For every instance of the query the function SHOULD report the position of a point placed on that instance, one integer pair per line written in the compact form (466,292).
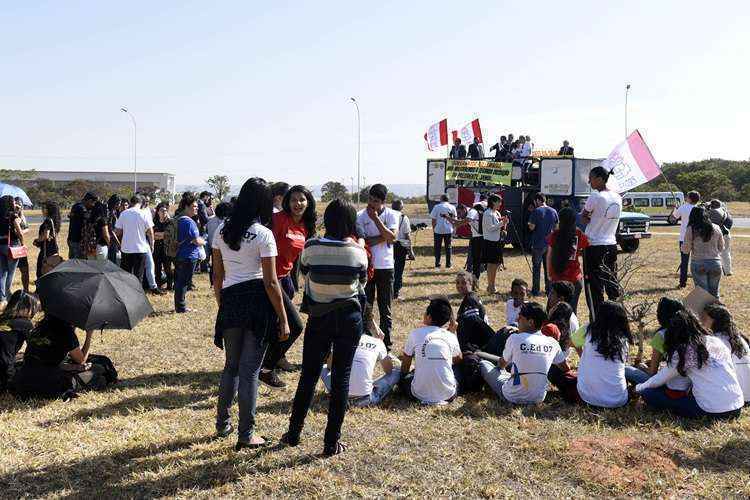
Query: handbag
(16,252)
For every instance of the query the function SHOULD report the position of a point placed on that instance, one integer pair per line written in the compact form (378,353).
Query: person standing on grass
(704,241)
(23,262)
(11,235)
(682,214)
(565,247)
(188,251)
(335,270)
(244,260)
(136,234)
(443,217)
(98,219)
(113,212)
(76,219)
(47,238)
(205,199)
(474,220)
(542,222)
(493,233)
(601,214)
(278,191)
(720,216)
(530,356)
(292,227)
(692,352)
(402,248)
(162,261)
(436,354)
(377,225)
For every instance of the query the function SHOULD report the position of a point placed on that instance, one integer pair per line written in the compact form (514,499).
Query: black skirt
(492,252)
(245,305)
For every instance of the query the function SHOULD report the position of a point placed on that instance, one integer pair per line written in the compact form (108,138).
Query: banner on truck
(487,172)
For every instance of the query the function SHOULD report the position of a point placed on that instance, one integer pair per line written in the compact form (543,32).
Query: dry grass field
(152,434)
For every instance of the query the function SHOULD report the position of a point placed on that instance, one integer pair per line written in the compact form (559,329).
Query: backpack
(171,241)
(88,237)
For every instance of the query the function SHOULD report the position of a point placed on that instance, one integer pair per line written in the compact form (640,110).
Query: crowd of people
(255,246)
(507,149)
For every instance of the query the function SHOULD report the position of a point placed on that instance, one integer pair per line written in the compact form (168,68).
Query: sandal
(242,444)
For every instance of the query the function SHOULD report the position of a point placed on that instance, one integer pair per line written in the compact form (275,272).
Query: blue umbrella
(15,192)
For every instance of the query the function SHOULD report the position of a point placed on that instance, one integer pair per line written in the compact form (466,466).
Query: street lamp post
(359,147)
(135,149)
(627,91)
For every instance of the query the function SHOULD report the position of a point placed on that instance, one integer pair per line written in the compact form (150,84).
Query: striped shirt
(335,274)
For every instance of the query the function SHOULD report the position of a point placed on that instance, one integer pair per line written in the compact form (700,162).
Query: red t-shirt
(290,241)
(573,271)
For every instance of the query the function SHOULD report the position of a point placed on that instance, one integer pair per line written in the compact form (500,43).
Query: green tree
(220,185)
(333,190)
(708,184)
(16,175)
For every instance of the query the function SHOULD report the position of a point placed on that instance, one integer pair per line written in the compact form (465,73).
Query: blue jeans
(707,274)
(380,387)
(341,329)
(684,262)
(244,351)
(635,375)
(7,271)
(685,406)
(183,274)
(494,376)
(539,260)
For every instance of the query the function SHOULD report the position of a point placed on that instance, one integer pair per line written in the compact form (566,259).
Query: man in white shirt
(401,247)
(435,352)
(525,146)
(474,258)
(378,225)
(444,217)
(136,233)
(149,272)
(529,355)
(682,214)
(363,391)
(601,214)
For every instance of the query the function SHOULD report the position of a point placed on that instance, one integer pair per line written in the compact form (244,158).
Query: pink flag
(631,163)
(437,135)
(470,131)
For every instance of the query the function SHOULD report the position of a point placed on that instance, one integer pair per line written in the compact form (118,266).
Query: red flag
(470,131)
(454,133)
(437,135)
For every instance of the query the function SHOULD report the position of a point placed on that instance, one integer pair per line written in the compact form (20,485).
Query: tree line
(333,190)
(727,180)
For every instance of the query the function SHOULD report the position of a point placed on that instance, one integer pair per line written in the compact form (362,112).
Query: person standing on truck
(682,214)
(542,222)
(601,214)
(500,149)
(566,149)
(458,151)
(443,217)
(476,152)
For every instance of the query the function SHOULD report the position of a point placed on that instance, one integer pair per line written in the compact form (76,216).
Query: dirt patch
(624,464)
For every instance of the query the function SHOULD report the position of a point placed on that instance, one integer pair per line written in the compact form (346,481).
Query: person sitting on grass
(692,352)
(718,319)
(679,386)
(55,364)
(529,354)
(563,291)
(471,319)
(363,391)
(435,352)
(603,350)
(15,325)
(518,293)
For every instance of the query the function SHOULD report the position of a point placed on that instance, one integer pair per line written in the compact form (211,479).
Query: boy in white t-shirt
(518,291)
(363,391)
(435,352)
(529,355)
(682,214)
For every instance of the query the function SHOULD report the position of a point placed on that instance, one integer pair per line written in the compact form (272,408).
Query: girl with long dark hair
(718,319)
(98,218)
(493,232)
(162,261)
(694,353)
(11,235)
(47,239)
(15,325)
(113,211)
(705,242)
(292,227)
(603,348)
(566,245)
(251,307)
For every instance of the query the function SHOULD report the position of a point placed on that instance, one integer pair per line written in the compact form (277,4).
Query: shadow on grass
(732,456)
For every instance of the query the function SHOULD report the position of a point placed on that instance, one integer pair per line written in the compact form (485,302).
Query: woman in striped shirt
(335,270)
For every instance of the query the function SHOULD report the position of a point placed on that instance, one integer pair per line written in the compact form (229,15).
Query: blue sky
(251,88)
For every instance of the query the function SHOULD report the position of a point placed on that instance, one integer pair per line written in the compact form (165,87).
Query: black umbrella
(93,294)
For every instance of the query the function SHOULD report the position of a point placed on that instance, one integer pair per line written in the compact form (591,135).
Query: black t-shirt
(99,226)
(471,306)
(472,329)
(49,246)
(8,227)
(160,227)
(50,342)
(13,333)
(77,216)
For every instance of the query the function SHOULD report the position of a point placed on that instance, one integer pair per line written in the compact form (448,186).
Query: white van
(659,205)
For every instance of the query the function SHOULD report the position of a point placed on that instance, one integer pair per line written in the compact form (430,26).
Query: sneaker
(156,291)
(225,431)
(271,379)
(289,440)
(335,449)
(286,366)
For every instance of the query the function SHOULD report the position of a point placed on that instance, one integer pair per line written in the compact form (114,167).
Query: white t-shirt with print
(245,263)
(433,350)
(741,365)
(605,208)
(601,382)
(368,353)
(474,222)
(682,213)
(382,253)
(134,225)
(530,356)
(443,225)
(511,313)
